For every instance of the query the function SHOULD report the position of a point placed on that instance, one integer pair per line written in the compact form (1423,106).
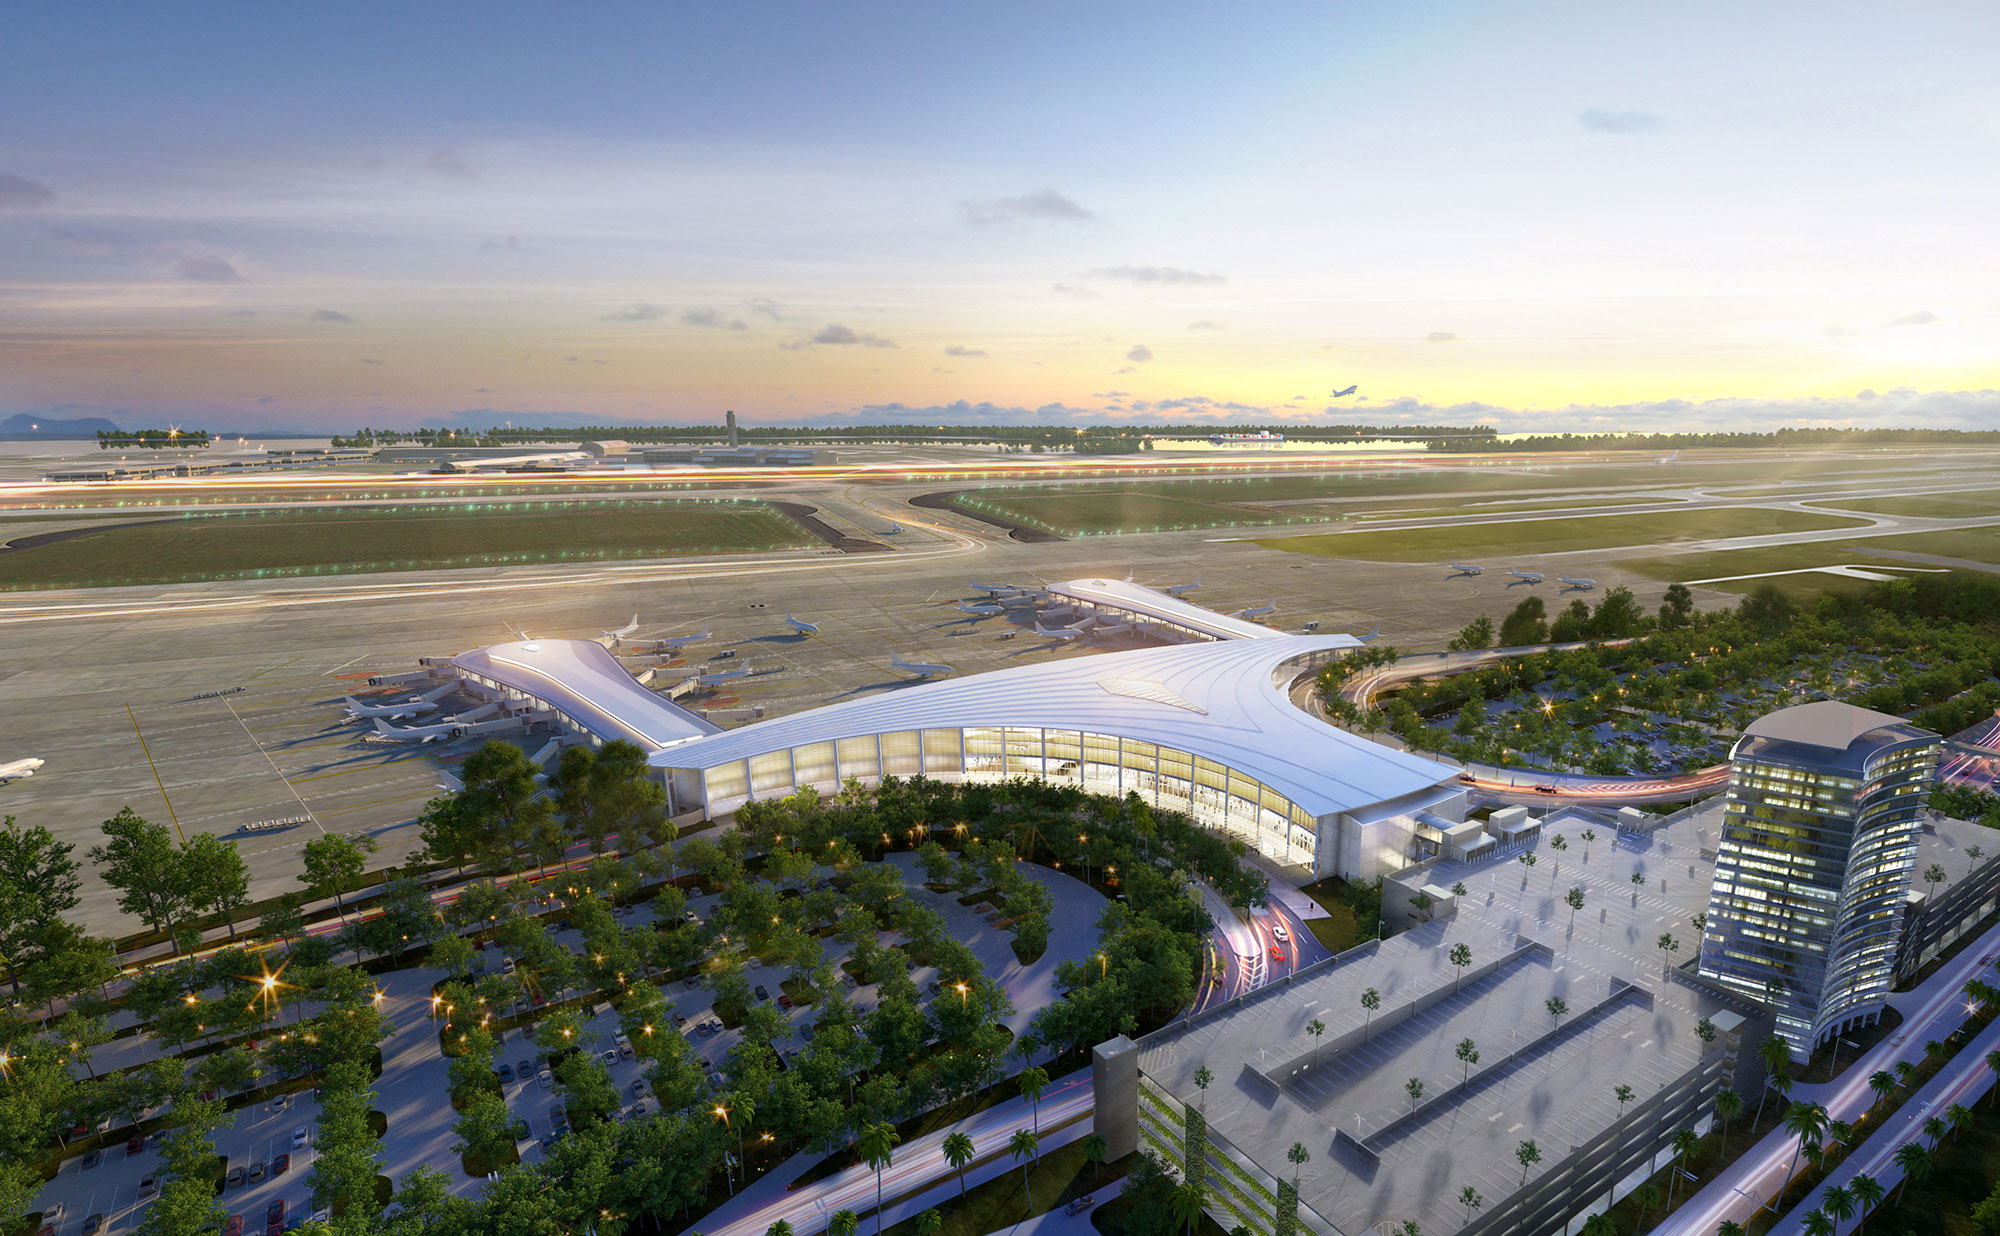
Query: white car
(1279,933)
(300,1136)
(545,1079)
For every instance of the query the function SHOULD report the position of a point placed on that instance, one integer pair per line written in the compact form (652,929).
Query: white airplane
(1667,459)
(1530,577)
(1065,634)
(1119,629)
(675,644)
(1176,590)
(981,611)
(920,668)
(1459,568)
(1258,611)
(415,733)
(1374,635)
(998,590)
(1349,391)
(709,680)
(17,769)
(1579,585)
(800,628)
(894,530)
(621,632)
(415,706)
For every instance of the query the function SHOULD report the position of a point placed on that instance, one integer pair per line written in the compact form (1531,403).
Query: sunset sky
(1563,215)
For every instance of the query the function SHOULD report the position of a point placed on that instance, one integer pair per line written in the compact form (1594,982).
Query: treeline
(1732,440)
(1049,437)
(151,439)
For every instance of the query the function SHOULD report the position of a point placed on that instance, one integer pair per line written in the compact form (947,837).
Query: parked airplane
(1526,577)
(1579,585)
(623,631)
(1459,568)
(999,590)
(1176,590)
(1258,611)
(709,680)
(675,644)
(415,706)
(1119,629)
(1374,635)
(920,668)
(17,769)
(416,733)
(1349,391)
(1064,634)
(801,628)
(981,611)
(894,530)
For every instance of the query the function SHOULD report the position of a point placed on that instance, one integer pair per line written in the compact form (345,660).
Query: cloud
(511,244)
(579,360)
(1070,289)
(93,241)
(712,318)
(1047,204)
(1442,336)
(959,349)
(641,312)
(484,390)
(20,193)
(769,308)
(446,163)
(268,399)
(1155,274)
(838,336)
(207,270)
(1139,352)
(1922,317)
(1606,120)
(1124,369)
(369,360)
(1206,324)
(332,315)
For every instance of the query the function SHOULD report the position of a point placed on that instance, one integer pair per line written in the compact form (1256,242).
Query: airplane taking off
(1349,391)
(1578,585)
(1177,590)
(18,769)
(981,611)
(920,668)
(1258,611)
(1526,577)
(1459,568)
(675,644)
(800,628)
(623,631)
(1065,634)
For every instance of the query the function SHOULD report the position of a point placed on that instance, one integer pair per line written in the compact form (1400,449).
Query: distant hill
(24,425)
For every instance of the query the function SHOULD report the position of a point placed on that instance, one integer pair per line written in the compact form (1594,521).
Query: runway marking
(260,673)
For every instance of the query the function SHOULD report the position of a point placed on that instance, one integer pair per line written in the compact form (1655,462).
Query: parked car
(545,1079)
(91,1159)
(135,1146)
(93,1225)
(300,1137)
(624,1047)
(233,1226)
(281,1165)
(281,1103)
(506,1071)
(235,1178)
(762,994)
(705,1029)
(276,1210)
(784,1001)
(53,1212)
(639,1089)
(524,1070)
(680,1019)
(148,1185)
(257,1171)
(46,1229)
(610,1055)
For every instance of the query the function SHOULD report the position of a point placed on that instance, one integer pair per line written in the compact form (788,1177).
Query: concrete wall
(1935,923)
(1114,1086)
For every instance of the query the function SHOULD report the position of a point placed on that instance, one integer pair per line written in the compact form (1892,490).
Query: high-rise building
(1814,864)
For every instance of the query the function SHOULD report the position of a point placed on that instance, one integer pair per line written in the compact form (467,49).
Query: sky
(1537,216)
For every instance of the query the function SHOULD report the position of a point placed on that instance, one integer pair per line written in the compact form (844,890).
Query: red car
(275,1212)
(136,1145)
(1277,954)
(281,1165)
(234,1226)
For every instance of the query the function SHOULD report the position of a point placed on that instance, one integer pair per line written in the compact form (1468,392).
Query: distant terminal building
(1814,864)
(1116,602)
(1263,438)
(736,457)
(615,448)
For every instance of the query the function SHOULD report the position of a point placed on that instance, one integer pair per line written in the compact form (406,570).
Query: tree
(1728,1106)
(1315,1028)
(1095,1147)
(504,804)
(1371,1000)
(1574,899)
(485,1130)
(1468,1055)
(1556,1006)
(874,1142)
(1298,1156)
(38,885)
(958,1152)
(1415,1089)
(929,1223)
(332,866)
(1186,1203)
(1526,624)
(1603,1225)
(450,834)
(1839,1202)
(1461,957)
(1775,1054)
(1883,1084)
(1916,1164)
(1471,1199)
(1624,1095)
(1588,835)
(1806,1121)
(1685,1142)
(1572,624)
(1529,1154)
(1202,1080)
(1477,634)
(1815,1223)
(1868,1194)
(216,879)
(1033,1081)
(1992,1063)
(1025,1147)
(1422,902)
(140,861)
(1668,946)
(1933,876)
(1677,608)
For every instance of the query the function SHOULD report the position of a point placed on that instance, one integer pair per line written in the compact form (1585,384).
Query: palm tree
(1094,1150)
(874,1142)
(1916,1164)
(1728,1106)
(1185,1203)
(1815,1223)
(930,1223)
(1372,1000)
(1838,1202)
(1685,1143)
(1299,1157)
(1730,1227)
(1808,1121)
(1202,1079)
(1033,1081)
(780,1228)
(1775,1055)
(1883,1083)
(1958,1115)
(1935,1128)
(1025,1147)
(1600,1225)
(1868,1194)
(958,1152)
(1840,1133)
(843,1222)
(1315,1027)
(1993,1063)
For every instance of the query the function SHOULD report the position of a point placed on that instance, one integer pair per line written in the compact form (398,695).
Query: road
(1930,1011)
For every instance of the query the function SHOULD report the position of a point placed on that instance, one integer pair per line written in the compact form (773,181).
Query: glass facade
(1812,871)
(1210,793)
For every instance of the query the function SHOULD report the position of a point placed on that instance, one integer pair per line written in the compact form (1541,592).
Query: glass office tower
(1814,864)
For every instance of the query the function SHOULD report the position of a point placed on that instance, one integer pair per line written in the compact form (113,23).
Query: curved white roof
(582,680)
(1138,598)
(1216,700)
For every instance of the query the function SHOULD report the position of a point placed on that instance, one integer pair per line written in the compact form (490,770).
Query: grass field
(1971,504)
(1548,536)
(334,541)
(1110,511)
(1973,545)
(1496,508)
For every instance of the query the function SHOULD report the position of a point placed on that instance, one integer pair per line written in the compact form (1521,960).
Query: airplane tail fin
(1373,635)
(382,727)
